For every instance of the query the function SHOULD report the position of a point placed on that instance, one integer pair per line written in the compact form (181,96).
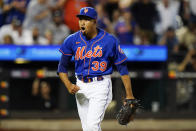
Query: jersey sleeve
(66,47)
(63,64)
(119,55)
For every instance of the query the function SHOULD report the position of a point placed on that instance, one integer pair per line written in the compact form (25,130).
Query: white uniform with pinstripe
(92,100)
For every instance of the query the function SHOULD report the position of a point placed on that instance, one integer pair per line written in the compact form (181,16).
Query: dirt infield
(107,125)
(102,130)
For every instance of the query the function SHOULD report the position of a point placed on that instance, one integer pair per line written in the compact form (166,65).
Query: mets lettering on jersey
(93,57)
(80,51)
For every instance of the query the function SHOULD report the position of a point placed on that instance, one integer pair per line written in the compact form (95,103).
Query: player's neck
(93,34)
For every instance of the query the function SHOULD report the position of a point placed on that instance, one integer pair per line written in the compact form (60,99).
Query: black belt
(88,79)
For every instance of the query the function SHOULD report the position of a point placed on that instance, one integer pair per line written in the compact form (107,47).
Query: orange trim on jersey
(63,52)
(86,46)
(120,61)
(92,47)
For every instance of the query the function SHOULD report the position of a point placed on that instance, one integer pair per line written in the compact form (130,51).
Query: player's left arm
(128,88)
(121,64)
(122,69)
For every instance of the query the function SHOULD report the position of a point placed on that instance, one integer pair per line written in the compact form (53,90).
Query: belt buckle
(99,78)
(89,80)
(86,79)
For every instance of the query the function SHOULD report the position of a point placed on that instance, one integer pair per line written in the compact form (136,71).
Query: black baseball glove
(127,111)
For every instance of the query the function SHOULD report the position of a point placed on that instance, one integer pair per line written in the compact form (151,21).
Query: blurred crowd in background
(133,22)
(169,23)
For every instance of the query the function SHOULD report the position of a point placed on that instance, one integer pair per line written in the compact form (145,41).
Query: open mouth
(83,28)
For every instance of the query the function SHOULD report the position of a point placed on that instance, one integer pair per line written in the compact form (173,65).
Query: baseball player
(95,52)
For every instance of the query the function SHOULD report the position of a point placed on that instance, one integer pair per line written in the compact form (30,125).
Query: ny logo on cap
(85,10)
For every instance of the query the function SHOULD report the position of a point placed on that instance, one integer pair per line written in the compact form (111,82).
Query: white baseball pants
(92,100)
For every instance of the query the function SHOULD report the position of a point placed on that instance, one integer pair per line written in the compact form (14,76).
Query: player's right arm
(72,88)
(62,71)
(66,50)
